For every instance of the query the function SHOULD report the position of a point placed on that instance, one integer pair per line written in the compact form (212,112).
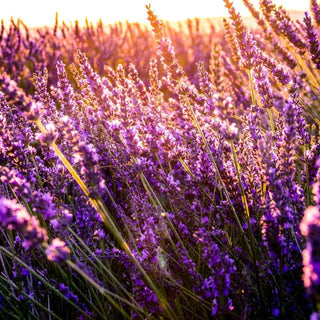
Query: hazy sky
(42,12)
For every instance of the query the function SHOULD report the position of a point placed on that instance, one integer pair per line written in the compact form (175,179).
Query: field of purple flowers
(171,173)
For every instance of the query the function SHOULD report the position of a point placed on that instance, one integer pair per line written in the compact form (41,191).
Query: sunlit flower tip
(311,217)
(33,113)
(115,125)
(67,215)
(58,251)
(34,235)
(65,120)
(313,45)
(232,131)
(156,23)
(49,136)
(13,215)
(315,316)
(316,191)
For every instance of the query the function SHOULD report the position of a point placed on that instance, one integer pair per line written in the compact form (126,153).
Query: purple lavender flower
(34,235)
(232,41)
(246,44)
(15,217)
(169,60)
(260,75)
(315,9)
(157,24)
(43,204)
(310,228)
(62,221)
(312,35)
(49,136)
(279,71)
(19,184)
(34,113)
(58,251)
(282,24)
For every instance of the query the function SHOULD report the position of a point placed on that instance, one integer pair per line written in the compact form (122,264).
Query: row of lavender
(164,176)
(25,50)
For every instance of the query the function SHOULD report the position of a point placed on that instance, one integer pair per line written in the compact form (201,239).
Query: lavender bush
(162,173)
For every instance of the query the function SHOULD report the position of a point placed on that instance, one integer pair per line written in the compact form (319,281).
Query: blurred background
(36,13)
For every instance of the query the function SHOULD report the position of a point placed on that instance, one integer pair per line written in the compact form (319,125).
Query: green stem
(310,111)
(308,192)
(104,269)
(225,191)
(108,221)
(253,96)
(251,235)
(12,284)
(43,280)
(271,121)
(103,291)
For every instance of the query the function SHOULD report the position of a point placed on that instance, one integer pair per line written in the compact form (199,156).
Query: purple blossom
(34,113)
(34,235)
(19,184)
(281,23)
(246,44)
(206,197)
(263,85)
(43,204)
(49,136)
(315,9)
(58,251)
(15,217)
(278,70)
(310,228)
(312,35)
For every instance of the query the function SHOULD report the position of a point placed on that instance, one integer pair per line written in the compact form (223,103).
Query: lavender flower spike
(246,45)
(260,75)
(310,227)
(49,136)
(15,217)
(315,9)
(58,251)
(313,45)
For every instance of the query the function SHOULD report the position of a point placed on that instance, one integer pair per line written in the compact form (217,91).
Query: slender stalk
(271,121)
(100,264)
(43,280)
(310,111)
(308,192)
(253,96)
(250,232)
(108,220)
(13,285)
(243,195)
(225,191)
(108,294)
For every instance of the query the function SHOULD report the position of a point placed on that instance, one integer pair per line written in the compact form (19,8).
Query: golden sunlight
(40,13)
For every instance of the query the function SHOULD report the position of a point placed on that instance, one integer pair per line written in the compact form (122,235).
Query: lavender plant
(169,173)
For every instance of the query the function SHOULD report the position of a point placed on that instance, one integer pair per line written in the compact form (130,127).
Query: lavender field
(161,172)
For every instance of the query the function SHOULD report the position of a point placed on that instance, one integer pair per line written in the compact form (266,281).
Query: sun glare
(40,13)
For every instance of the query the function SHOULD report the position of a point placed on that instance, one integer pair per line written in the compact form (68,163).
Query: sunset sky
(42,12)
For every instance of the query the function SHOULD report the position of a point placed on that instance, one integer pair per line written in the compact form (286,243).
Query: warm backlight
(40,12)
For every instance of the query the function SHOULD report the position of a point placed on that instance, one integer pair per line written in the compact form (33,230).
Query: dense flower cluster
(163,172)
